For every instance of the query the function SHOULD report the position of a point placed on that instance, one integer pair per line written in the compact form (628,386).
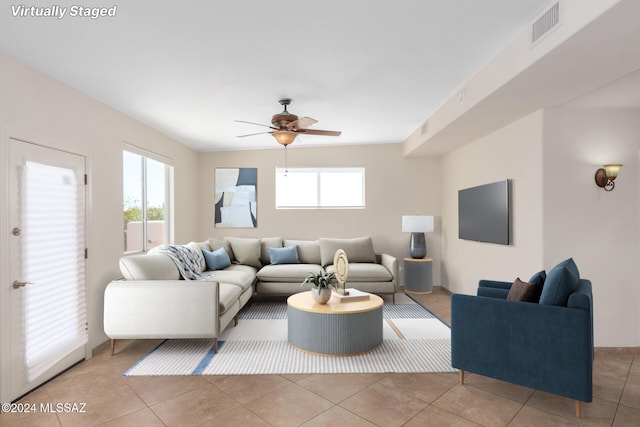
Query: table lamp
(417,225)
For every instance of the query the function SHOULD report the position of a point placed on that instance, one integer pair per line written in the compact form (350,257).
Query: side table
(418,277)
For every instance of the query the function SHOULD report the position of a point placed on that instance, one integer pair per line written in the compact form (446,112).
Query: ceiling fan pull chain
(286,170)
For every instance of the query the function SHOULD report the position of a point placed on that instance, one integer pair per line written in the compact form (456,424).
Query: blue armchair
(543,346)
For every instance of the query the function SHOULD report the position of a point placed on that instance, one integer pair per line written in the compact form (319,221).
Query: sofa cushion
(359,249)
(539,278)
(219,243)
(365,272)
(295,273)
(246,250)
(235,276)
(562,281)
(229,295)
(524,291)
(216,260)
(308,250)
(265,244)
(288,255)
(153,266)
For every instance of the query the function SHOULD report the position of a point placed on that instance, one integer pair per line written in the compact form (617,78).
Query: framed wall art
(235,197)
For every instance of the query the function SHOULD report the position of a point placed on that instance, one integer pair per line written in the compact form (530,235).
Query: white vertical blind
(52,221)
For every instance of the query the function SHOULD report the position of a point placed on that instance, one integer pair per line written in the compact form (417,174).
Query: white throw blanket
(187,259)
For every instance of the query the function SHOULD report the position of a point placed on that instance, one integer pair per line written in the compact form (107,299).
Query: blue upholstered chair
(545,345)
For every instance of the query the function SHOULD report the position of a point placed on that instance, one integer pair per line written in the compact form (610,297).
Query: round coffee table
(335,328)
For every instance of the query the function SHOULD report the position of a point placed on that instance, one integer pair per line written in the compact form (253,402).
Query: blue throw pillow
(216,260)
(287,255)
(562,281)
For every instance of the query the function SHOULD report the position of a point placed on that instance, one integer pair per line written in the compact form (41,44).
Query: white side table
(418,276)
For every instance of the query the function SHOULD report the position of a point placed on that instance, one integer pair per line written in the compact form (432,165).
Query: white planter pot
(321,296)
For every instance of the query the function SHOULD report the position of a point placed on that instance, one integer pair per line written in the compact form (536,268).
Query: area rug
(414,340)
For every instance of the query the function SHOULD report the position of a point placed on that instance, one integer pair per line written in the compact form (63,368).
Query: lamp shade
(417,224)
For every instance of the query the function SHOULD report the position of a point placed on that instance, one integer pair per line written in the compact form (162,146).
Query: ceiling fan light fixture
(284,137)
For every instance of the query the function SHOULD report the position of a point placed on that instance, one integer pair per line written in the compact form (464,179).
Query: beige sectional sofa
(153,301)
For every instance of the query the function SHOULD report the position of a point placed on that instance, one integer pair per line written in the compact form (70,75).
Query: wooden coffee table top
(304,302)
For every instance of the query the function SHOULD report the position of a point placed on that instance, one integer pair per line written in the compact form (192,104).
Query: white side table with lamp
(418,276)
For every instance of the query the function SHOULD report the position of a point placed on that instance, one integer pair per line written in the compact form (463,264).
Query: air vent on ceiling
(545,22)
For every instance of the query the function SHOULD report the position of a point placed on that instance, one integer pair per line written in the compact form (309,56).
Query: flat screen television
(483,213)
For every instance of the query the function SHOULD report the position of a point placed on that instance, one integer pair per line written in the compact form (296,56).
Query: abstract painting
(235,198)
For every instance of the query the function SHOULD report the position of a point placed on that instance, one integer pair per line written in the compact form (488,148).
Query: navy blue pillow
(562,281)
(216,260)
(286,255)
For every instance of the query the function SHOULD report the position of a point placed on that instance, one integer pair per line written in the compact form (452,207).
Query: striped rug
(414,341)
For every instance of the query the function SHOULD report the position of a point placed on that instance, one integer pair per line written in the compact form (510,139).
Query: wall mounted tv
(483,213)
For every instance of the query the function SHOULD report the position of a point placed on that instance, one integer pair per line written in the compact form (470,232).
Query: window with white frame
(317,188)
(147,203)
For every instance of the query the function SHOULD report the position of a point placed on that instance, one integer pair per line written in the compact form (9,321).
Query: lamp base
(417,246)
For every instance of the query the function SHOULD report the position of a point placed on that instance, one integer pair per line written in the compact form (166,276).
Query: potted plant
(321,285)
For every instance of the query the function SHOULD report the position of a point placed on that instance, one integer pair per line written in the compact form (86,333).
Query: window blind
(54,305)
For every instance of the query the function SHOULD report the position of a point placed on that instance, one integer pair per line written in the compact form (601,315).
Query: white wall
(599,229)
(513,152)
(395,186)
(39,109)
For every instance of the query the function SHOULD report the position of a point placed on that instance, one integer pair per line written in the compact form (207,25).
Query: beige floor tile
(195,407)
(28,412)
(240,416)
(608,388)
(289,405)
(600,412)
(384,405)
(337,416)
(631,394)
(477,405)
(502,388)
(532,417)
(614,366)
(627,417)
(155,389)
(436,417)
(426,387)
(245,388)
(145,417)
(335,388)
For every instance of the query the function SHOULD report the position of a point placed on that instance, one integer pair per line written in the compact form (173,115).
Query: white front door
(47,313)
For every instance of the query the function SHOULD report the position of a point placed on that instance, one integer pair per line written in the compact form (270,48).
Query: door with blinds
(48,326)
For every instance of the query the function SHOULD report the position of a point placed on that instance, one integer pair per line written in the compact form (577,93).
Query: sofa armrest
(161,309)
(544,347)
(390,263)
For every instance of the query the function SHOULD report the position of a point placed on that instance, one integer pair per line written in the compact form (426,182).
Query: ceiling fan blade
(319,132)
(251,134)
(301,123)
(257,124)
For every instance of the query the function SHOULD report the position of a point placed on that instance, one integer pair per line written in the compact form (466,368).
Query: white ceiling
(373,69)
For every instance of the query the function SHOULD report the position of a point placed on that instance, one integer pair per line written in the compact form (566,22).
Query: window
(314,188)
(146,203)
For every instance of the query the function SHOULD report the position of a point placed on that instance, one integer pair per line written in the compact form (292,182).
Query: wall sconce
(417,225)
(605,176)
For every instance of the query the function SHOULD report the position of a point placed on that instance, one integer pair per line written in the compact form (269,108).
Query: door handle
(17,284)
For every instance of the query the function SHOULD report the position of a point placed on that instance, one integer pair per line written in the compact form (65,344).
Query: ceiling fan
(286,126)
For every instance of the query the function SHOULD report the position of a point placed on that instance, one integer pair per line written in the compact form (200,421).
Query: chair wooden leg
(215,345)
(462,377)
(113,346)
(578,409)
(235,320)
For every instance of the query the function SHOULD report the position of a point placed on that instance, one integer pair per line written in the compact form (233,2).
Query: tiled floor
(325,400)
